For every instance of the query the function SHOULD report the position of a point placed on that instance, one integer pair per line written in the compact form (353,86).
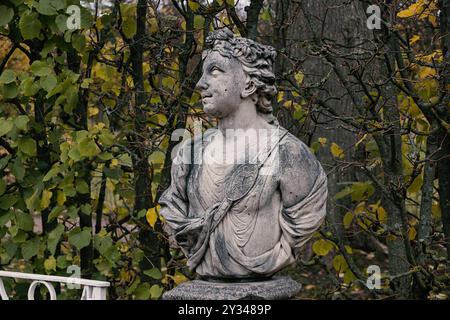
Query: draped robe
(262,232)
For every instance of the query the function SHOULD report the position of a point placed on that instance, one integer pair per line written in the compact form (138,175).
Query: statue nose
(201,85)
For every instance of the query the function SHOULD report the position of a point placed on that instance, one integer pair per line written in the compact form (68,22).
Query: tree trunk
(141,168)
(443,136)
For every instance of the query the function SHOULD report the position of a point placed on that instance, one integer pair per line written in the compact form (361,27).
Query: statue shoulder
(295,154)
(188,148)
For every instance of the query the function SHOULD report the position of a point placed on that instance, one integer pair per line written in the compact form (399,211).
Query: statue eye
(214,69)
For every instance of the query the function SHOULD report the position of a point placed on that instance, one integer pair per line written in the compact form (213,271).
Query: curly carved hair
(256,59)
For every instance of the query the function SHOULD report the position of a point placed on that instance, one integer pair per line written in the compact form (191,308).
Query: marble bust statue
(242,203)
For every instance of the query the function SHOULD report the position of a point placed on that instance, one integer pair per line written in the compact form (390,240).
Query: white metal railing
(92,289)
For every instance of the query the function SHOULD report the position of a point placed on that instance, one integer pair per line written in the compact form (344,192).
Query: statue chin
(211,110)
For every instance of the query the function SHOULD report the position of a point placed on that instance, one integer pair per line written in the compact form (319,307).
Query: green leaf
(46,7)
(51,173)
(141,213)
(20,237)
(113,173)
(50,264)
(80,238)
(362,190)
(48,83)
(21,122)
(10,90)
(74,153)
(6,15)
(5,217)
(416,184)
(129,27)
(30,248)
(106,138)
(78,41)
(154,273)
(86,208)
(2,186)
(8,76)
(29,87)
(11,248)
(348,218)
(41,68)
(82,186)
(27,146)
(29,25)
(32,201)
(5,126)
(194,5)
(321,247)
(142,292)
(53,238)
(88,148)
(340,264)
(156,291)
(24,221)
(343,193)
(18,170)
(54,213)
(7,201)
(61,22)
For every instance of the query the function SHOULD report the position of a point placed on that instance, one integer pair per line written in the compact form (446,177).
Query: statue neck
(246,117)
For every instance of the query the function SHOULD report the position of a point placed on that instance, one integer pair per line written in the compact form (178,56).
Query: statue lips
(206,96)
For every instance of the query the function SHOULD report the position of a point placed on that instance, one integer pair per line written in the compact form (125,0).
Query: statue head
(250,68)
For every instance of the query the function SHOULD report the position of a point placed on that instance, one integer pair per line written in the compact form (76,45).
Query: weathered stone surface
(244,218)
(278,288)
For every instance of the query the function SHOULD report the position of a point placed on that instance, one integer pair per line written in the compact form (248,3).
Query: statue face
(221,84)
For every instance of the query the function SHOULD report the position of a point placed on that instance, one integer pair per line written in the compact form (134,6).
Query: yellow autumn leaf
(412,233)
(92,111)
(339,263)
(348,218)
(410,11)
(299,76)
(336,151)
(426,72)
(60,198)
(194,5)
(322,141)
(114,162)
(349,249)
(179,278)
(152,216)
(50,264)
(45,200)
(416,184)
(280,96)
(110,185)
(349,276)
(433,20)
(382,215)
(414,39)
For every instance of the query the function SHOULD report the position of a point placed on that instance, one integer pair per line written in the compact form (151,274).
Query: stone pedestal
(278,288)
